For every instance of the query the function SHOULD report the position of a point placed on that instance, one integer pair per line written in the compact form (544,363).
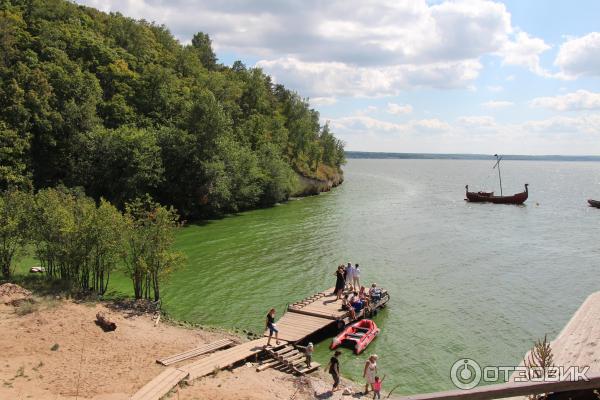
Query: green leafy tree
(14,150)
(203,45)
(14,212)
(150,255)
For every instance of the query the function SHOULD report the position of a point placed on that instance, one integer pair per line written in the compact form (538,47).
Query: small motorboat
(594,203)
(358,335)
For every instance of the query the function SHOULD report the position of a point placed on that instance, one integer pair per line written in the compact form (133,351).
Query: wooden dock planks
(207,348)
(160,385)
(294,326)
(323,305)
(225,358)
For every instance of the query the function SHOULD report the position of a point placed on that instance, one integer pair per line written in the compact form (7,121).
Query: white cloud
(339,79)
(494,88)
(323,101)
(580,56)
(524,51)
(579,100)
(497,104)
(477,121)
(399,109)
(584,124)
(362,48)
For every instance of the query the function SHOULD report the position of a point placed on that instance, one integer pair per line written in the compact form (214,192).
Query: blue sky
(465,76)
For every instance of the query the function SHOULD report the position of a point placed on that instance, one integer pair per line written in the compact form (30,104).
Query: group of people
(347,276)
(354,300)
(369,373)
(356,297)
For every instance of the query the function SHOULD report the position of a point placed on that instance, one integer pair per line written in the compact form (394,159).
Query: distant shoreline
(434,156)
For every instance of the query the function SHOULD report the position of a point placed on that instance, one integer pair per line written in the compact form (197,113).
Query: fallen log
(103,322)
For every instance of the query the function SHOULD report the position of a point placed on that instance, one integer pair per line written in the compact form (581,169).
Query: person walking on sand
(272,327)
(377,387)
(370,372)
(334,370)
(339,282)
(356,278)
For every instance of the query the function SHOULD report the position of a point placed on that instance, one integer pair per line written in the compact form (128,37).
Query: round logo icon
(465,373)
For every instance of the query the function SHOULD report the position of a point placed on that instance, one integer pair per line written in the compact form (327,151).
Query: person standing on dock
(271,327)
(334,370)
(340,282)
(356,277)
(350,275)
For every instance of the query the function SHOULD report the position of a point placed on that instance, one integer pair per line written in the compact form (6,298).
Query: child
(309,352)
(377,387)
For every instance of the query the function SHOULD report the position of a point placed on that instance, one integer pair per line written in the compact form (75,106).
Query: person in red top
(377,387)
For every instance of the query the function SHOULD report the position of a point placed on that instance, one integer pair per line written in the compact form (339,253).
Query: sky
(466,76)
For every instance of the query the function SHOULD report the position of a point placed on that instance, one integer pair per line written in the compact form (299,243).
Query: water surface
(466,280)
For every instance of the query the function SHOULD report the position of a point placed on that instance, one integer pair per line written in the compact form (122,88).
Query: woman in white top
(370,372)
(356,277)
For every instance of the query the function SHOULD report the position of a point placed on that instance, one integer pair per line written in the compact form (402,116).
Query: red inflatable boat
(358,335)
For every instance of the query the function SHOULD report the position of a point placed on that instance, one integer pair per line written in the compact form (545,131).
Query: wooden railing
(510,389)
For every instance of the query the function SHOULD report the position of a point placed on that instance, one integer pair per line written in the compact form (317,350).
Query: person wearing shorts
(272,327)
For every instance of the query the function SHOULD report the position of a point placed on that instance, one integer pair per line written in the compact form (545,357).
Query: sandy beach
(57,352)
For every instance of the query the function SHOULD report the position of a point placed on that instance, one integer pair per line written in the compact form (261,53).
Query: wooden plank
(225,358)
(511,389)
(294,326)
(160,385)
(306,370)
(267,365)
(200,350)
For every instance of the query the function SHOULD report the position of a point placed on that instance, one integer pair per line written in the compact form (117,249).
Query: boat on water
(594,203)
(358,335)
(482,197)
(489,197)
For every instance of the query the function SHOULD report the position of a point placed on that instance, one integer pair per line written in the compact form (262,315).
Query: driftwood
(103,322)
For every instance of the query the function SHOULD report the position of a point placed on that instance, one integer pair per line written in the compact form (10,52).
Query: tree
(14,150)
(14,211)
(108,244)
(203,45)
(150,235)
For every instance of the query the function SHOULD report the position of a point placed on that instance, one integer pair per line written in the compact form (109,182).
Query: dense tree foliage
(120,108)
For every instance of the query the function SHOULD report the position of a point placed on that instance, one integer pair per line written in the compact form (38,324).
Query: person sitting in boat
(362,295)
(357,303)
(375,293)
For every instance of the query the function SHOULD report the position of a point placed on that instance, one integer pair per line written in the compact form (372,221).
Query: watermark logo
(467,373)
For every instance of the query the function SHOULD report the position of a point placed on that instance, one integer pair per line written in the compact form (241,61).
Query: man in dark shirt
(334,370)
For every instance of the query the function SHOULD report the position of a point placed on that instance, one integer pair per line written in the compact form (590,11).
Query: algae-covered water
(466,280)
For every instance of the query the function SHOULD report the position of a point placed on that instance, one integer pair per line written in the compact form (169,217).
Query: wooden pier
(300,321)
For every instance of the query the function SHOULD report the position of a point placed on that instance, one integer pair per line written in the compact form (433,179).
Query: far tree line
(81,242)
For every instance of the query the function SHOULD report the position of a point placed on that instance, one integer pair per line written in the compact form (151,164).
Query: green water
(466,280)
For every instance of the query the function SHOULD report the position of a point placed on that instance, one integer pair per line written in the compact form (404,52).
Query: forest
(121,109)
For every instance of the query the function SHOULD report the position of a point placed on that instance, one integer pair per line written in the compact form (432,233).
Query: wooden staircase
(288,359)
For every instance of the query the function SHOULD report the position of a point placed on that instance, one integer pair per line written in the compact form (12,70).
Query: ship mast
(498,159)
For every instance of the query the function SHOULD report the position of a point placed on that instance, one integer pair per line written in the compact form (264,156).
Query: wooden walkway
(198,351)
(160,385)
(322,305)
(225,358)
(301,320)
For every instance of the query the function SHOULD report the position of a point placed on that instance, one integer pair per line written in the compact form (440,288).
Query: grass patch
(26,307)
